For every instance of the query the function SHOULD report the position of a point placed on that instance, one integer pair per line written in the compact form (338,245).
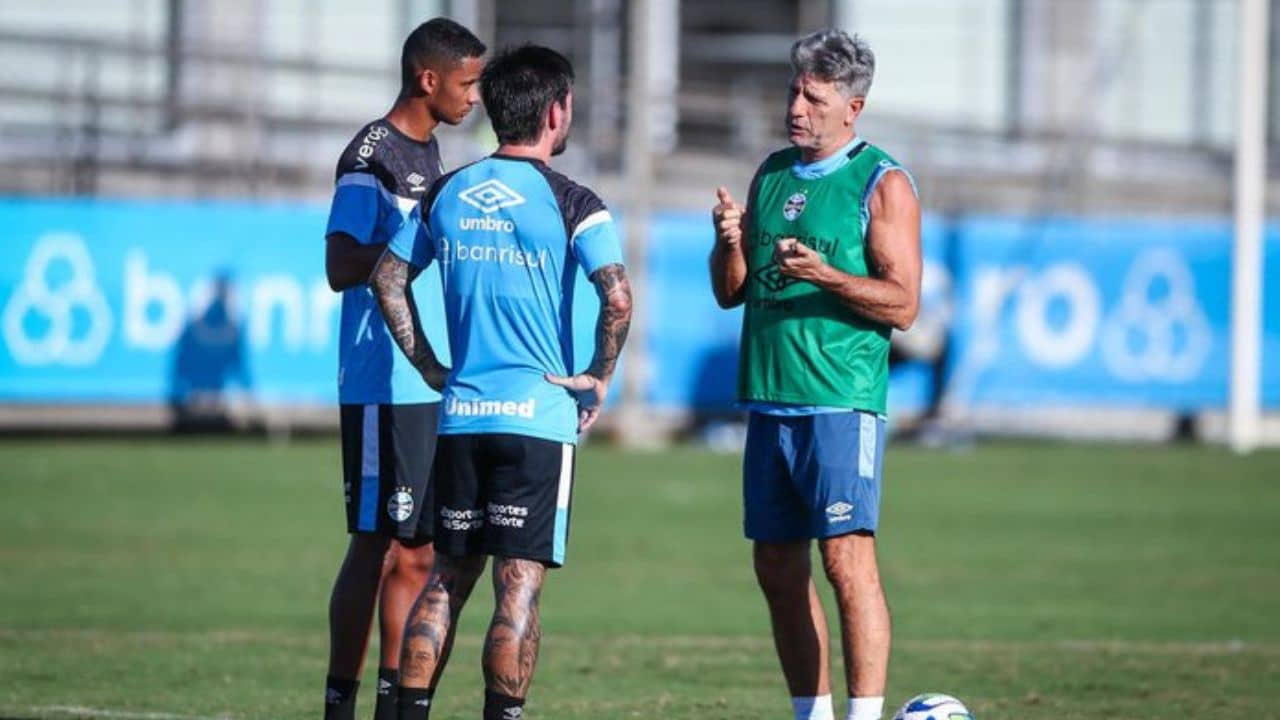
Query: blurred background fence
(166,165)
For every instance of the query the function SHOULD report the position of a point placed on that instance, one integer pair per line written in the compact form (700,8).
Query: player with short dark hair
(509,235)
(388,415)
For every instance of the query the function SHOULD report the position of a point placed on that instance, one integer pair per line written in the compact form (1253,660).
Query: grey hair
(833,56)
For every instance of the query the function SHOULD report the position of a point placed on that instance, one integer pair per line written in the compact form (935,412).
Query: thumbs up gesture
(727,218)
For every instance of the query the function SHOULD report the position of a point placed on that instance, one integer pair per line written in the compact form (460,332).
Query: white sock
(865,708)
(813,708)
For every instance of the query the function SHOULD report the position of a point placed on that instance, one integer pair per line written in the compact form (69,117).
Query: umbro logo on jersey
(490,196)
(514,713)
(839,512)
(415,182)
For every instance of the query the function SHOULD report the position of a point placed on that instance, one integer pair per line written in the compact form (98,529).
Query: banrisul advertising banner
(154,302)
(1121,313)
(157,302)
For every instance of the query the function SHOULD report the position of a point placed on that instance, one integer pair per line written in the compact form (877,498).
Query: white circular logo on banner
(59,343)
(1174,335)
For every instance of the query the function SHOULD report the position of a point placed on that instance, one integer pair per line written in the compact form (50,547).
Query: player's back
(510,235)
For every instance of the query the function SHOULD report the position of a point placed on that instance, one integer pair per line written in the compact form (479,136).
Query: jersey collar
(826,166)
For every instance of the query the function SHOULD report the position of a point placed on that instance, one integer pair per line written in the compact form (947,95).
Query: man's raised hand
(727,217)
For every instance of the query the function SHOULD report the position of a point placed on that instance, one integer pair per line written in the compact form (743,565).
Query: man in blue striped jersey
(388,414)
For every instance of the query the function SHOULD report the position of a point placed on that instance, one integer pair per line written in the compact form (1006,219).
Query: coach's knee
(850,561)
(782,568)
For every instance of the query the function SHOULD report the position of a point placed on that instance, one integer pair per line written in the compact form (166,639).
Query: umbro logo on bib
(771,277)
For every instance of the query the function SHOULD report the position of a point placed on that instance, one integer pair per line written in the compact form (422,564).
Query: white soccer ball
(933,706)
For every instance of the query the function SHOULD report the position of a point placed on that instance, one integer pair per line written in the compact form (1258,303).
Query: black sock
(415,703)
(502,707)
(386,707)
(340,698)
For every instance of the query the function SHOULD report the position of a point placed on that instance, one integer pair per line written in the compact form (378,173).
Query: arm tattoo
(614,322)
(391,286)
(511,647)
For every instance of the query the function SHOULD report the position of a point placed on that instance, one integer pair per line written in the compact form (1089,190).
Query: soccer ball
(933,706)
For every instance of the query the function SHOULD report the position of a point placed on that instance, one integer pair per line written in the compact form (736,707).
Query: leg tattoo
(428,635)
(511,647)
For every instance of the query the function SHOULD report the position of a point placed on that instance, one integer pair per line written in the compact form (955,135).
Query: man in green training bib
(826,259)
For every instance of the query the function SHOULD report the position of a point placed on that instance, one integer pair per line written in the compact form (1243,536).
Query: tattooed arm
(390,284)
(612,325)
(614,322)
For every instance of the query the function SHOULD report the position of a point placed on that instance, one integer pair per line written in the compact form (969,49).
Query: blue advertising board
(1127,313)
(152,302)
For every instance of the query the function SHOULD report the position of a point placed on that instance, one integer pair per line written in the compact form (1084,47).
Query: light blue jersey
(510,235)
(380,178)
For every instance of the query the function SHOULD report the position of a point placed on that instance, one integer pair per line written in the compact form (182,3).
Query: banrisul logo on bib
(794,205)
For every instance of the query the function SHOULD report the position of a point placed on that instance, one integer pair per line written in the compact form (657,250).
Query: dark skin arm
(347,263)
(891,294)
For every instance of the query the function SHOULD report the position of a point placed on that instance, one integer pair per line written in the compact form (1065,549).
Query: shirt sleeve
(356,206)
(412,242)
(595,242)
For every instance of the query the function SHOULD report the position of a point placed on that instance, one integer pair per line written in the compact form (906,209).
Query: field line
(118,714)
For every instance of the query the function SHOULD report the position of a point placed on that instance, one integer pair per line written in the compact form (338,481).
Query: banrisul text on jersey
(510,236)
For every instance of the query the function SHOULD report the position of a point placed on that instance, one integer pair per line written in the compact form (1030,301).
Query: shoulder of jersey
(366,151)
(438,185)
(575,199)
(779,160)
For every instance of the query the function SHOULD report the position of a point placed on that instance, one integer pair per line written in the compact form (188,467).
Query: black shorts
(504,495)
(387,454)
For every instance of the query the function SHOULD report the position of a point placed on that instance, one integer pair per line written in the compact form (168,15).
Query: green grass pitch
(169,578)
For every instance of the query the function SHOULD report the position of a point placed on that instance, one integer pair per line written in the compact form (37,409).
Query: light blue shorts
(812,476)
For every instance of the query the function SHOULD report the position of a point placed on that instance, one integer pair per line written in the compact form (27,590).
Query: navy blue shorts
(812,476)
(387,457)
(504,495)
